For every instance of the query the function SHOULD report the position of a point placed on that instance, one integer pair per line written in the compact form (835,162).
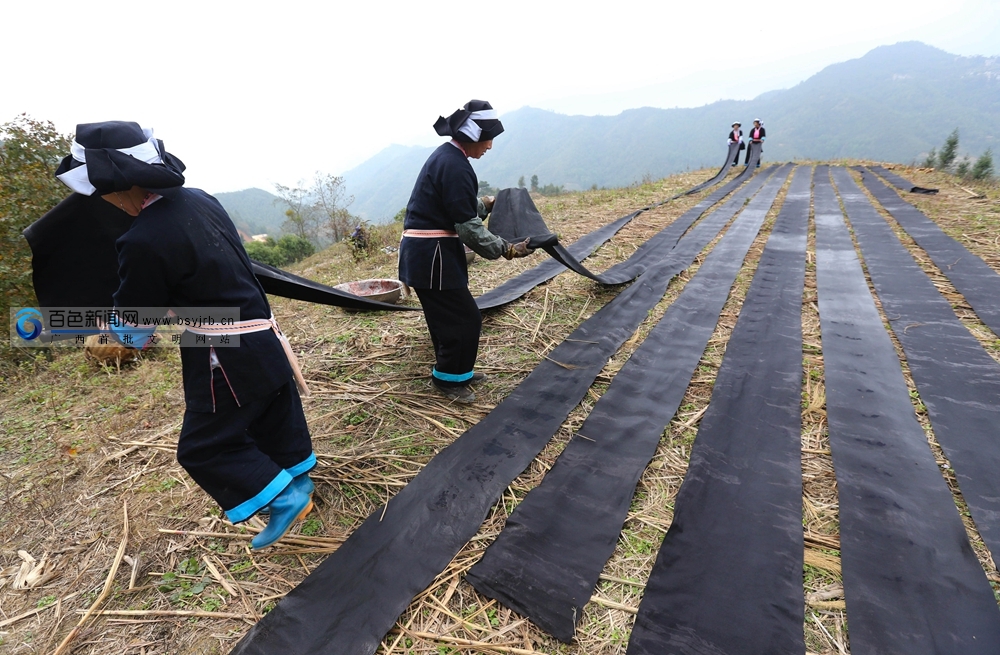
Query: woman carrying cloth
(244,438)
(444,213)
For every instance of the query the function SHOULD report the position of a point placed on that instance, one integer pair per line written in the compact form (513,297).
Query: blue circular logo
(28,323)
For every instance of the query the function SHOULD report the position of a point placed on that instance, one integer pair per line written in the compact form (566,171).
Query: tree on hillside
(302,219)
(983,168)
(962,169)
(331,201)
(949,151)
(30,151)
(534,183)
(485,189)
(520,182)
(931,160)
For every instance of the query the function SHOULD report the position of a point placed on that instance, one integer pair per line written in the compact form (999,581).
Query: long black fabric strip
(582,248)
(730,155)
(728,577)
(348,603)
(901,183)
(547,559)
(287,285)
(648,252)
(912,583)
(957,379)
(622,272)
(973,277)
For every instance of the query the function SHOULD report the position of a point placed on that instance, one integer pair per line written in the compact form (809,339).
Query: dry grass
(78,442)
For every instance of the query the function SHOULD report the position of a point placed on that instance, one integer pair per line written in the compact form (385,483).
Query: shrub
(983,168)
(950,151)
(286,250)
(265,252)
(294,248)
(30,151)
(931,160)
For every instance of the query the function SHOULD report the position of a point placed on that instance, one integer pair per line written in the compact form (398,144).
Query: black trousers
(736,159)
(245,455)
(454,322)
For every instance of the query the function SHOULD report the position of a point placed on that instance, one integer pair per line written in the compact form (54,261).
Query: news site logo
(28,323)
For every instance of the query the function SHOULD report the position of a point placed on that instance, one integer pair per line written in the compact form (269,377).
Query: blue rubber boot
(302,481)
(287,507)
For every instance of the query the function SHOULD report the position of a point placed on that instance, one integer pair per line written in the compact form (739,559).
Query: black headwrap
(115,156)
(475,122)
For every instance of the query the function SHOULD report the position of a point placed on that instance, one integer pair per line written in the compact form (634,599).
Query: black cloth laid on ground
(733,153)
(546,561)
(728,577)
(957,379)
(899,182)
(912,582)
(349,602)
(516,287)
(515,218)
(974,279)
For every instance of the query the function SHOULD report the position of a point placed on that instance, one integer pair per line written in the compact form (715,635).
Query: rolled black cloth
(957,379)
(348,603)
(546,561)
(901,183)
(74,261)
(912,582)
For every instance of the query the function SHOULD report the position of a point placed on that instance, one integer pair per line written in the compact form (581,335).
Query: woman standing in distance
(444,213)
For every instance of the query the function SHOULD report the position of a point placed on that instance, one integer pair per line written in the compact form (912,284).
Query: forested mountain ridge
(893,104)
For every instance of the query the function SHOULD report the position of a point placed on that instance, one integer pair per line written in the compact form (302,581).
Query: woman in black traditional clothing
(757,134)
(736,136)
(244,438)
(444,213)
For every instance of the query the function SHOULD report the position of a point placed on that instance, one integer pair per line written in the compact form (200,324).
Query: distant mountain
(893,104)
(254,211)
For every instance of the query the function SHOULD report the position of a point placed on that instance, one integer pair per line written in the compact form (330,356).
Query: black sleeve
(458,194)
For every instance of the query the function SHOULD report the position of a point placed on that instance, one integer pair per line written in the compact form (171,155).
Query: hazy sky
(253,93)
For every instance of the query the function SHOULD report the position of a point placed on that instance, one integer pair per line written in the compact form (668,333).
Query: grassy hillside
(80,443)
(894,104)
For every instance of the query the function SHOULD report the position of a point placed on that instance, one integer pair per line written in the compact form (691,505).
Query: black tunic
(181,251)
(443,195)
(184,251)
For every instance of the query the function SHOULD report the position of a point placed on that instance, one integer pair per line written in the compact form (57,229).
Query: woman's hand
(519,249)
